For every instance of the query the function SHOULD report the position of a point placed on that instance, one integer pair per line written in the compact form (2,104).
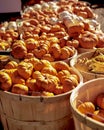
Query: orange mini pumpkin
(48,57)
(16,78)
(50,70)
(65,53)
(67,84)
(19,89)
(31,43)
(41,50)
(11,65)
(61,65)
(86,107)
(25,69)
(5,81)
(19,49)
(37,75)
(31,83)
(63,73)
(55,51)
(48,82)
(88,40)
(45,93)
(75,30)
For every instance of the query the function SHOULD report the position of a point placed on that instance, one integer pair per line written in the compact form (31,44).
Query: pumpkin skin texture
(9,71)
(20,89)
(88,40)
(36,74)
(5,81)
(60,65)
(74,79)
(48,57)
(48,82)
(50,70)
(11,65)
(65,53)
(67,84)
(74,43)
(86,107)
(75,30)
(55,50)
(19,49)
(31,83)
(100,100)
(15,77)
(31,43)
(45,93)
(25,69)
(63,73)
(41,50)
(39,64)
(35,62)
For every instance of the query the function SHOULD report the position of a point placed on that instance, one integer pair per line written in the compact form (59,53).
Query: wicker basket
(35,113)
(86,75)
(86,92)
(36,109)
(65,123)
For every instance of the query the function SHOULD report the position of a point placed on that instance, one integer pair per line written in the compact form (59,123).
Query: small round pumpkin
(55,50)
(11,65)
(19,49)
(5,81)
(19,89)
(86,107)
(25,69)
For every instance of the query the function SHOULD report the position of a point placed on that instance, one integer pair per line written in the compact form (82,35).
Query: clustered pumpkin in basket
(65,23)
(47,32)
(94,110)
(72,19)
(42,48)
(38,77)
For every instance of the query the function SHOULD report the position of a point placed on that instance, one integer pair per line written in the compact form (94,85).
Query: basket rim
(81,117)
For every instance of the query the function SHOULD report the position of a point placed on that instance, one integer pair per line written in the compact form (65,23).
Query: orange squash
(19,89)
(11,65)
(19,49)
(5,81)
(86,107)
(25,69)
